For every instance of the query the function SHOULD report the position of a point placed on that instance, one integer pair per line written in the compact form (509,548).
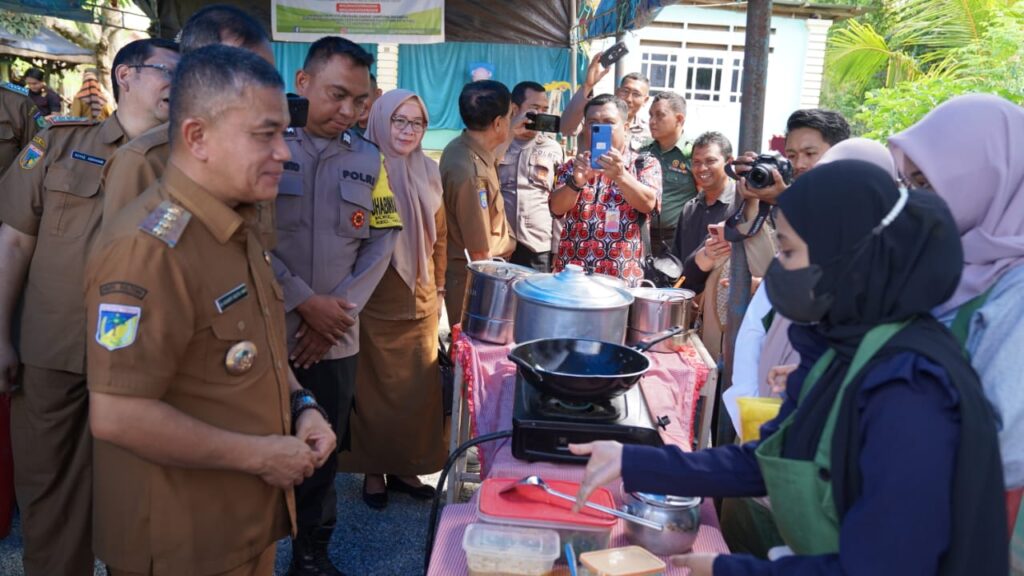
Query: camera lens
(759,177)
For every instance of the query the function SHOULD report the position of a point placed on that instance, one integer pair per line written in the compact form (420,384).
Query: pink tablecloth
(671,388)
(449,559)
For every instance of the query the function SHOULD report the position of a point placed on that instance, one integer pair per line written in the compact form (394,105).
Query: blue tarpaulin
(614,16)
(70,9)
(437,72)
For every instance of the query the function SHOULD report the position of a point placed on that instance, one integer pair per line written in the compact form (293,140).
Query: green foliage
(994,64)
(21,24)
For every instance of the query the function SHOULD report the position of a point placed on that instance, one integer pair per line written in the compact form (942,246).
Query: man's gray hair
(708,138)
(210,79)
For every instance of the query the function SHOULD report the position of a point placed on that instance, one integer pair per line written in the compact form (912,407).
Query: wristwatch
(571,183)
(303,400)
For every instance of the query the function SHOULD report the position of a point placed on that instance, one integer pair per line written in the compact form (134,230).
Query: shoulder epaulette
(71,121)
(290,132)
(14,88)
(167,222)
(364,139)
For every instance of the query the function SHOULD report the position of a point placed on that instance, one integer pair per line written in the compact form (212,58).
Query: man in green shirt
(668,114)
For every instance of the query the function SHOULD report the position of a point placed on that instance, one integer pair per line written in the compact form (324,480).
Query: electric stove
(543,426)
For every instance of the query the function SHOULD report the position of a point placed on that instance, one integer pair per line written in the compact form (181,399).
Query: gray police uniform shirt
(527,176)
(328,243)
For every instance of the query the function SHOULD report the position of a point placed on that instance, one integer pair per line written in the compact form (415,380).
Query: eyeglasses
(167,70)
(417,126)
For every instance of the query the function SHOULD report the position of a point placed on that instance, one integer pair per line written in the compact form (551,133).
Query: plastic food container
(627,561)
(532,507)
(495,550)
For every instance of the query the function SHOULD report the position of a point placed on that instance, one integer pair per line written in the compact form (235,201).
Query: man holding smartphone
(527,176)
(604,206)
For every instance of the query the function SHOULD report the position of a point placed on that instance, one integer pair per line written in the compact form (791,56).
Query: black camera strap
(732,232)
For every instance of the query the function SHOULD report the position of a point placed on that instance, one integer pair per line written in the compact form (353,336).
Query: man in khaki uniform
(19,122)
(188,371)
(140,162)
(527,174)
(473,204)
(50,210)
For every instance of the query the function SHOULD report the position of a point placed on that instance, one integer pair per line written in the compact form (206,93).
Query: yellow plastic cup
(754,412)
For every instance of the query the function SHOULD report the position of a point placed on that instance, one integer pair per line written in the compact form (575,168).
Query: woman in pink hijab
(970,151)
(398,423)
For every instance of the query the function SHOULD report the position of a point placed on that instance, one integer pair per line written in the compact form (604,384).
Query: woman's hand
(604,466)
(778,376)
(699,564)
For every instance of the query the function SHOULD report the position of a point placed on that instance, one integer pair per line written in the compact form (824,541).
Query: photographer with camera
(700,234)
(527,176)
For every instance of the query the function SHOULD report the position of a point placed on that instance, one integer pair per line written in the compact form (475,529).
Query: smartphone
(717,231)
(543,122)
(613,54)
(600,142)
(298,108)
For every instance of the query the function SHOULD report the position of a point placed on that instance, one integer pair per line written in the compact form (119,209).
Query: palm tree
(916,39)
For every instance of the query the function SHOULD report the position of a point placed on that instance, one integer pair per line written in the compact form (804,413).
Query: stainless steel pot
(656,310)
(679,516)
(570,304)
(489,308)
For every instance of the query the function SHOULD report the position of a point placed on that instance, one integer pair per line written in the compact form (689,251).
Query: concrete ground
(366,542)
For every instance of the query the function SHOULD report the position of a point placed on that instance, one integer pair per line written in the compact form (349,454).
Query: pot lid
(571,288)
(500,270)
(664,501)
(663,294)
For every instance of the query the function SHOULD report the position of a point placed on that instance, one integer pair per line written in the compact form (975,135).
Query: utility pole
(755,80)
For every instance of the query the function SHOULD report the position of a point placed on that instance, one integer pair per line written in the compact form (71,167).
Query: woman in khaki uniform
(398,424)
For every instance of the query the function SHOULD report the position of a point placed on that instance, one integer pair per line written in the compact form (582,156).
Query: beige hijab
(416,183)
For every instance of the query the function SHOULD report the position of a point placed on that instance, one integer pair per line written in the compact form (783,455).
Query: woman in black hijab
(883,459)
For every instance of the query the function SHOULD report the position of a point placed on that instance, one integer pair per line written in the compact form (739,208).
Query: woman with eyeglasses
(883,459)
(970,151)
(398,424)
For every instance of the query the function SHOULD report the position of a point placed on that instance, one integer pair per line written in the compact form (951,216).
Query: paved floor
(388,542)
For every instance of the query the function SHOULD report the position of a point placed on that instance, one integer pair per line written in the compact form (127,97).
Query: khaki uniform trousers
(53,471)
(262,565)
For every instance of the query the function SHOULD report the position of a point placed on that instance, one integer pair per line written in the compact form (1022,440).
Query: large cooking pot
(488,307)
(680,518)
(655,310)
(575,369)
(570,304)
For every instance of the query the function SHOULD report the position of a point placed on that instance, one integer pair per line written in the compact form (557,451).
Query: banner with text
(402,21)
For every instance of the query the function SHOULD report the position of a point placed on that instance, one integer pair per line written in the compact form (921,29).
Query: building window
(713,76)
(660,69)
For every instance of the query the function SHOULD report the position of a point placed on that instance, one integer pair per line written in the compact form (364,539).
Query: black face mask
(792,293)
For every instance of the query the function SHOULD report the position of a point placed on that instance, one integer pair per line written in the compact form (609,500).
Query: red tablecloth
(449,559)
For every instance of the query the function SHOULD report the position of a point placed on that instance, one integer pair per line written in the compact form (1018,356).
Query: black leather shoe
(309,558)
(376,501)
(423,492)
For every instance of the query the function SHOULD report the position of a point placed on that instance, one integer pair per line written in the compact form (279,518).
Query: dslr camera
(760,173)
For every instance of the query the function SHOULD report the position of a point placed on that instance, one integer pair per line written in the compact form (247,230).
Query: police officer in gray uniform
(336,230)
(527,176)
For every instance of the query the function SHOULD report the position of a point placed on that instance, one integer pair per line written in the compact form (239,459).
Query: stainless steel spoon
(539,482)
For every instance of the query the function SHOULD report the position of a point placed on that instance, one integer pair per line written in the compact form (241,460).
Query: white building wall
(714,39)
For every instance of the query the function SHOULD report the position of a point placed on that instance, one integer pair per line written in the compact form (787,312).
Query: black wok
(584,370)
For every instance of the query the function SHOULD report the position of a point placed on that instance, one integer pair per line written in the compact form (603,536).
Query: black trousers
(333,382)
(662,241)
(539,261)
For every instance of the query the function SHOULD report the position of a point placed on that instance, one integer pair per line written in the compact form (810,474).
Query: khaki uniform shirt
(138,164)
(164,312)
(19,122)
(54,194)
(527,175)
(475,211)
(328,243)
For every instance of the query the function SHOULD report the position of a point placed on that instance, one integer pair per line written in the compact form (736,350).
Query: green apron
(801,490)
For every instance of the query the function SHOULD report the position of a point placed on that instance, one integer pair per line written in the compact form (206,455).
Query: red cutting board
(533,503)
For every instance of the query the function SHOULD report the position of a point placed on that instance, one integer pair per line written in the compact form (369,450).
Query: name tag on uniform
(483,199)
(88,158)
(231,297)
(611,221)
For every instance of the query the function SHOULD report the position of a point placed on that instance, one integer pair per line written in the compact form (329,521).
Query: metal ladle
(539,482)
